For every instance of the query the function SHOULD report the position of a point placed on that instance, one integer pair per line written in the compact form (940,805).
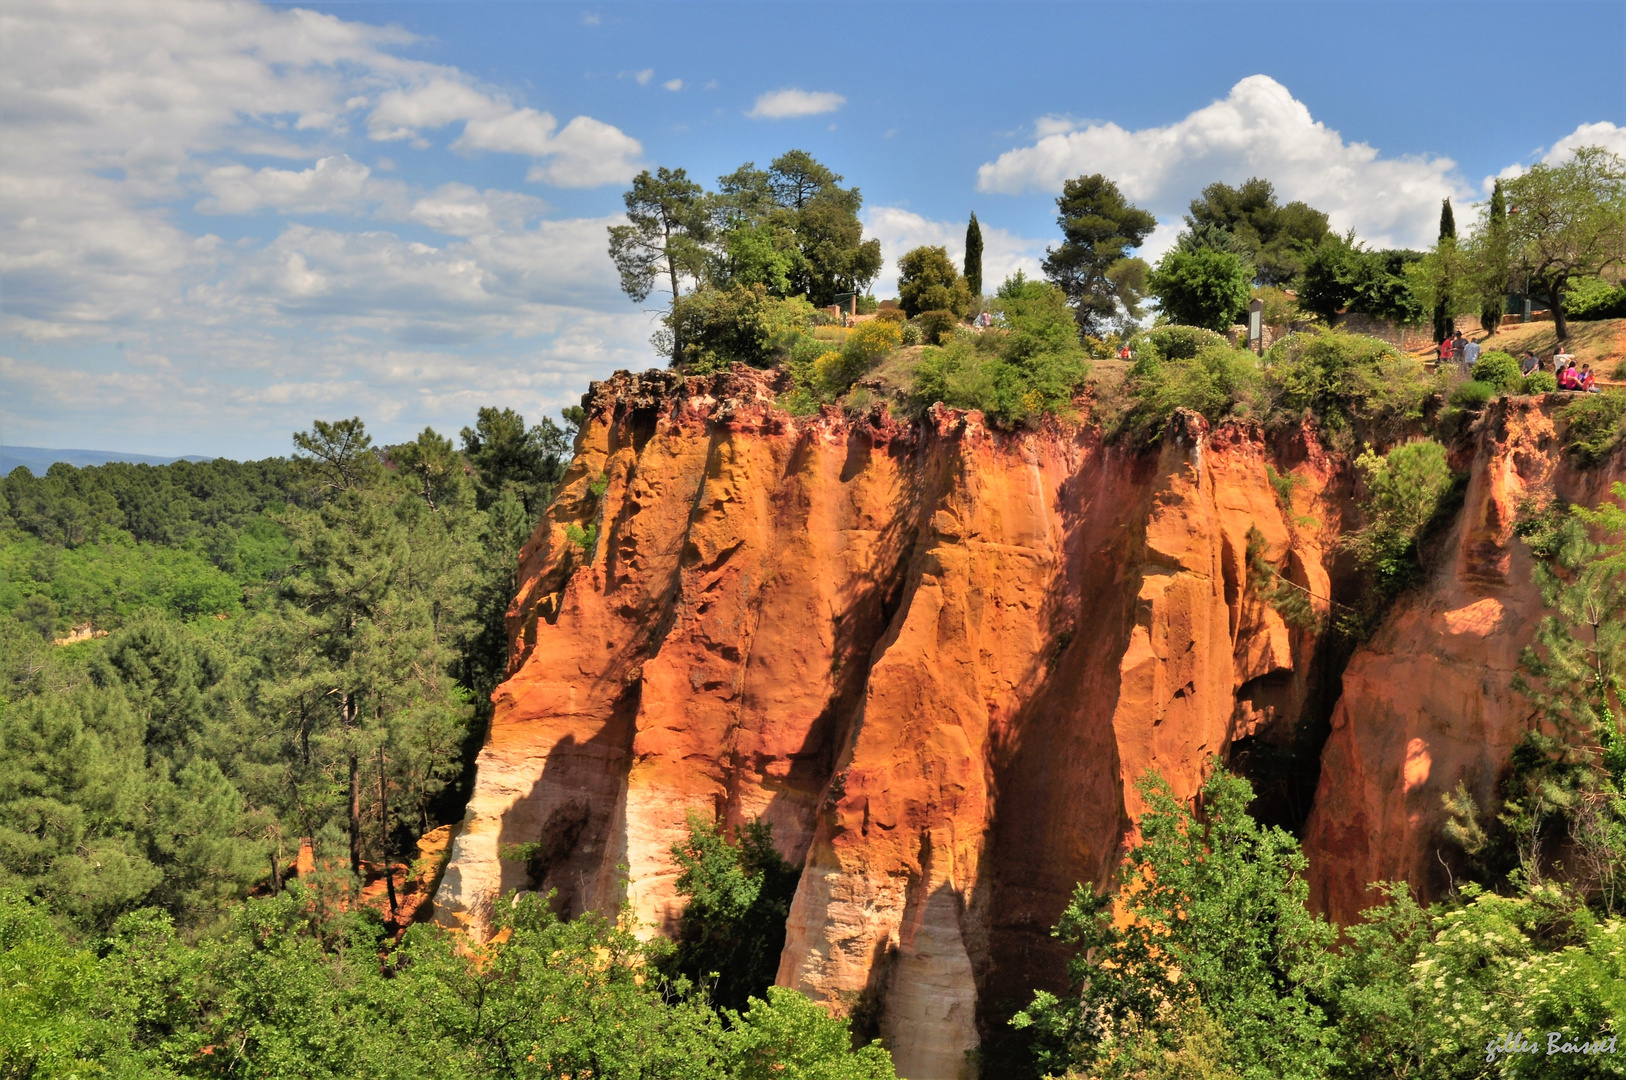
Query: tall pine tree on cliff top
(1092,265)
(1443,323)
(973,256)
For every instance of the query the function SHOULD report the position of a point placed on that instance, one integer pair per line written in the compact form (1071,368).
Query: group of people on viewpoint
(1464,353)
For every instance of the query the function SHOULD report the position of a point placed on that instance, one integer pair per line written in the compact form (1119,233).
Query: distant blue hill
(37,459)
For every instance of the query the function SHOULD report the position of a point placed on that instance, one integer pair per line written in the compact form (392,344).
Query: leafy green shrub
(1593,425)
(717,327)
(867,305)
(1026,365)
(1345,379)
(1473,396)
(1406,494)
(584,539)
(1217,382)
(1500,370)
(911,334)
(1172,342)
(891,314)
(1202,287)
(1595,298)
(928,281)
(733,925)
(936,325)
(1540,382)
(820,374)
(788,1037)
(1221,901)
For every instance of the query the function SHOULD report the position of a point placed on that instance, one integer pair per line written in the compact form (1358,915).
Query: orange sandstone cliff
(936,658)
(1428,702)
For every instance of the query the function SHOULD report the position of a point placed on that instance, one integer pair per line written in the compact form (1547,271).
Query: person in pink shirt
(1566,377)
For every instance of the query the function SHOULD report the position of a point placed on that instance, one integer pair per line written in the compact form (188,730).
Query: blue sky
(219,221)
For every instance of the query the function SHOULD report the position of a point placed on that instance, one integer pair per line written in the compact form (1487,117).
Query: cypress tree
(1495,255)
(1444,324)
(973,256)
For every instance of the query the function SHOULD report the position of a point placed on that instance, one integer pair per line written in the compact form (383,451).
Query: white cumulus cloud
(1258,129)
(588,153)
(1611,137)
(673,85)
(789,103)
(334,184)
(403,113)
(460,210)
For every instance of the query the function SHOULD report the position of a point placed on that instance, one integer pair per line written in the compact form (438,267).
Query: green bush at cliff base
(1221,901)
(1592,425)
(1500,370)
(1214,969)
(737,899)
(291,987)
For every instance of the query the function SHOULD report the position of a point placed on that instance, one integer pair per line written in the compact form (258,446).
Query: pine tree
(1448,221)
(377,600)
(973,256)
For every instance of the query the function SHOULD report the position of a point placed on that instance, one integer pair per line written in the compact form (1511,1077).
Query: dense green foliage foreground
(287,989)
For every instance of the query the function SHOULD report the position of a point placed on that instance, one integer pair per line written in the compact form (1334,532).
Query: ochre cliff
(937,657)
(1429,702)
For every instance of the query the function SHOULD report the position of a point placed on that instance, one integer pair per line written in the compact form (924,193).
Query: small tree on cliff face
(1570,769)
(733,927)
(1215,960)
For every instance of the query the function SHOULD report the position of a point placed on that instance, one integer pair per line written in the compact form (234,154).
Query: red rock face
(1429,702)
(936,658)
